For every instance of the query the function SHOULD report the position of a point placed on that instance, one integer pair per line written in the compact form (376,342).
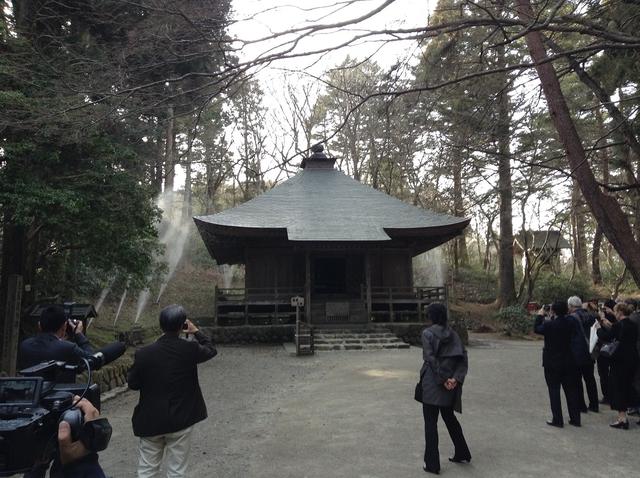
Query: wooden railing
(402,304)
(269,294)
(256,306)
(272,306)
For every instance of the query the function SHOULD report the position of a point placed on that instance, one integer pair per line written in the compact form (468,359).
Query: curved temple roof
(323,204)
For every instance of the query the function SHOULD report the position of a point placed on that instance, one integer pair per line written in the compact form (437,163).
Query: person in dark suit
(59,339)
(560,369)
(171,402)
(624,361)
(442,374)
(580,348)
(604,363)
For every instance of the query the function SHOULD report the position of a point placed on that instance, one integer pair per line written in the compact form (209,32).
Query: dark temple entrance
(330,275)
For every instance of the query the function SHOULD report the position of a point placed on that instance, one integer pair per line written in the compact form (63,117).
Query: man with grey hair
(171,402)
(580,348)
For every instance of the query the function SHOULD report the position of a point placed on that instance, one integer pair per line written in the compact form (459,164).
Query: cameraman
(74,460)
(59,339)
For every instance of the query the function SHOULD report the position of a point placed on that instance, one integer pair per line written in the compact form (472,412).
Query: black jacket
(580,338)
(47,346)
(557,354)
(166,373)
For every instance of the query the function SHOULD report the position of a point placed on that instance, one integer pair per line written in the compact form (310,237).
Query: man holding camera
(558,361)
(171,402)
(59,339)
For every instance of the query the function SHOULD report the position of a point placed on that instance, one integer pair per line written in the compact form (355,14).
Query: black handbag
(609,349)
(417,394)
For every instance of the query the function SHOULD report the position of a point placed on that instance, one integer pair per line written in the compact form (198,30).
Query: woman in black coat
(442,374)
(623,362)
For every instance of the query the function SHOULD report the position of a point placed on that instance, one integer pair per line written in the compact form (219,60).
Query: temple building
(344,247)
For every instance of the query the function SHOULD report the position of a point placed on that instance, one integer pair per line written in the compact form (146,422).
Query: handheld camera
(32,406)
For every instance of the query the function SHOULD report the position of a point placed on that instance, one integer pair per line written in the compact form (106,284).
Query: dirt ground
(352,414)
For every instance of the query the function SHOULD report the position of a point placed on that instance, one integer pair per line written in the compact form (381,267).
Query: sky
(256,19)
(260,18)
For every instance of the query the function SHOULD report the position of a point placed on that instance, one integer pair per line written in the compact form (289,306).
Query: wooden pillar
(367,278)
(10,334)
(307,287)
(215,304)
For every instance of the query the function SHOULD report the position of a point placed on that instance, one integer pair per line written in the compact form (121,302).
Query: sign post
(10,334)
(297,302)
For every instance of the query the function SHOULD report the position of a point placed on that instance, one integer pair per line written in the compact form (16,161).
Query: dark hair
(172,317)
(632,302)
(559,307)
(626,309)
(610,303)
(52,318)
(437,313)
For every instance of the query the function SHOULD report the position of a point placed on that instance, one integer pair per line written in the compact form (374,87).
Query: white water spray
(103,296)
(124,296)
(227,272)
(143,298)
(173,237)
(429,269)
(176,238)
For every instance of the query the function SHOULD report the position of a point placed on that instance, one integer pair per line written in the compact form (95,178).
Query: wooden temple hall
(344,247)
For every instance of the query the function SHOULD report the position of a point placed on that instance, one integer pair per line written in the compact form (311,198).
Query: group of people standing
(576,337)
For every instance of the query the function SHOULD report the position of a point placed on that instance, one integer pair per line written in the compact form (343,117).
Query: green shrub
(550,287)
(514,320)
(472,284)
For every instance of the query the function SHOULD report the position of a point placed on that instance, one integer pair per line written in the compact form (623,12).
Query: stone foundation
(277,334)
(251,334)
(110,376)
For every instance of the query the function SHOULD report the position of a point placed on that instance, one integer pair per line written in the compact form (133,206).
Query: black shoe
(435,472)
(622,425)
(574,423)
(455,459)
(554,424)
(594,408)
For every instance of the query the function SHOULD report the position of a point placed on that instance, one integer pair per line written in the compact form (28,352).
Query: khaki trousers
(174,446)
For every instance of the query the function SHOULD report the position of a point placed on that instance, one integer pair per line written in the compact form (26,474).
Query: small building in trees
(543,247)
(344,247)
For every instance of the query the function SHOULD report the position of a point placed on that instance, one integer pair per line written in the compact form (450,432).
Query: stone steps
(331,339)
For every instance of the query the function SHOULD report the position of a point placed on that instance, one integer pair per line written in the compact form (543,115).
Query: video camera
(32,406)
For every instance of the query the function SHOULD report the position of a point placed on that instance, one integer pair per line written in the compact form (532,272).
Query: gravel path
(351,414)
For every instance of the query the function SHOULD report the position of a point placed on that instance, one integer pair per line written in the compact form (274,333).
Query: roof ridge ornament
(318,159)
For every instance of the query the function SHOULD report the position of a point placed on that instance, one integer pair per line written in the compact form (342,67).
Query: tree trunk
(506,275)
(187,209)
(596,273)
(577,228)
(158,170)
(169,164)
(607,211)
(461,255)
(13,260)
(210,192)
